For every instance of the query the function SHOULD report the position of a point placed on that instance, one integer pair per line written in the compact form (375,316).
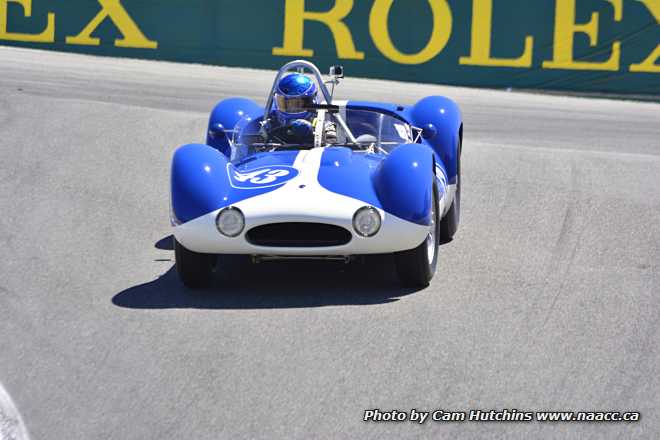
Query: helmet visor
(293,104)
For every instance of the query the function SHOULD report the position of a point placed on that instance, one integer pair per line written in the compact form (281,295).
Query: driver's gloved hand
(300,130)
(330,132)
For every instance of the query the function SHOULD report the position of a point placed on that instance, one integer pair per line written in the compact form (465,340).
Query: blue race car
(307,176)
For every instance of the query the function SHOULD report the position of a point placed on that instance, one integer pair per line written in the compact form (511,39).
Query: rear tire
(449,223)
(417,266)
(194,269)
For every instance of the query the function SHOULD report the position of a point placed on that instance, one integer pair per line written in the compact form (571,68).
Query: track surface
(548,298)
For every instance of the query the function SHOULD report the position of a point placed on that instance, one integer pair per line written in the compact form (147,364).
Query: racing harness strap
(319,128)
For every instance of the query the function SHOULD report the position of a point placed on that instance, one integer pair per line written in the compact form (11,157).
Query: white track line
(11,423)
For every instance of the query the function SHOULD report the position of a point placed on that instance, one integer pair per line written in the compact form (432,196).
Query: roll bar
(319,79)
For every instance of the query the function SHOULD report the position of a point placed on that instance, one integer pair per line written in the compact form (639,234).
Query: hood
(340,170)
(400,183)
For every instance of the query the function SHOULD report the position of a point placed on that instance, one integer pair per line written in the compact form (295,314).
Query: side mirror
(429,131)
(337,71)
(217,131)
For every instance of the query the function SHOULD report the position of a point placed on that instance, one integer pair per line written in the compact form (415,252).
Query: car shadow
(165,243)
(276,284)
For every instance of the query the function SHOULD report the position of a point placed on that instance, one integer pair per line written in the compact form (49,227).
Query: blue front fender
(199,182)
(404,183)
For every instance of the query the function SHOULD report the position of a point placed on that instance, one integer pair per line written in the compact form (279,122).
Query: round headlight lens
(366,221)
(230,222)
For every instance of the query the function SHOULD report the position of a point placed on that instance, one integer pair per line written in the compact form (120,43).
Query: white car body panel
(303,199)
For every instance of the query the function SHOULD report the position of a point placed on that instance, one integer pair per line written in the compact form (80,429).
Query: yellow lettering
(294,25)
(47,36)
(482,23)
(649,64)
(565,30)
(133,36)
(378,28)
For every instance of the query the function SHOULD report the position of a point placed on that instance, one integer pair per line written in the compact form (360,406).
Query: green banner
(610,46)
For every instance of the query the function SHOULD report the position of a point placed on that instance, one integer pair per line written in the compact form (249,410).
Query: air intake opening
(298,235)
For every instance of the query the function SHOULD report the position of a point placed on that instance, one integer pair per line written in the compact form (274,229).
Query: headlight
(230,222)
(366,221)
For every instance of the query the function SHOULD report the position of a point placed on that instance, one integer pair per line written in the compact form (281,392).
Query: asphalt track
(548,298)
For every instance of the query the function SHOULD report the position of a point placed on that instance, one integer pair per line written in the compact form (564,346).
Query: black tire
(449,223)
(231,268)
(413,266)
(194,269)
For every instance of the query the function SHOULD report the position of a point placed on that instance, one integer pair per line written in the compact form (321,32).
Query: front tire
(417,266)
(449,223)
(194,269)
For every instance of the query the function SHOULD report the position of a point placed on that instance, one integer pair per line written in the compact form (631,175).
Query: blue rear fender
(446,117)
(441,112)
(404,183)
(224,117)
(199,182)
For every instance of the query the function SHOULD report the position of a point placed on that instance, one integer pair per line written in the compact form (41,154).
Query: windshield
(375,127)
(374,131)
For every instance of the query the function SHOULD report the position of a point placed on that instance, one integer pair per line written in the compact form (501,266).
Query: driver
(291,122)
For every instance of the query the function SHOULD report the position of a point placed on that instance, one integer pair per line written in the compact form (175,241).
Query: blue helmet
(294,94)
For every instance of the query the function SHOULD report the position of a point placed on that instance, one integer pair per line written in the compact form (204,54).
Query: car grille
(298,235)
